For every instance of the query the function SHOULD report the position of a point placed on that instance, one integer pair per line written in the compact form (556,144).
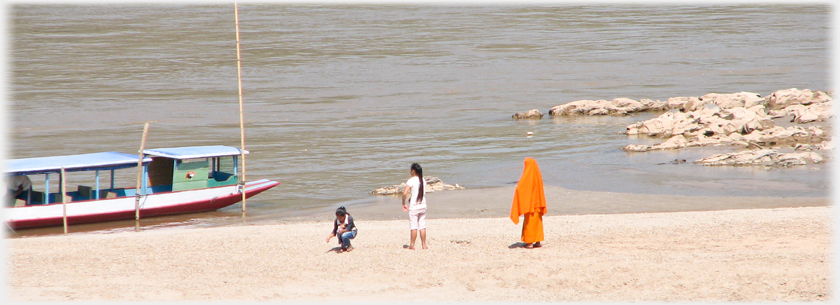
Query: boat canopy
(73,163)
(194,152)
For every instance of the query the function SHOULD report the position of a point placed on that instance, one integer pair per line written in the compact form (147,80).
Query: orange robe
(529,200)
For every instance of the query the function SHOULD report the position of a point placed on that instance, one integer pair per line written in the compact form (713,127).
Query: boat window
(225,164)
(193,160)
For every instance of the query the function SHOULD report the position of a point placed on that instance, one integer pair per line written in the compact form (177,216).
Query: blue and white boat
(174,181)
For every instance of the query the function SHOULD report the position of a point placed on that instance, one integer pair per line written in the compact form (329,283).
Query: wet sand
(495,202)
(751,251)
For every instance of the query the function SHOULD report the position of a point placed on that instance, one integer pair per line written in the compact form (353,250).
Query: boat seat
(86,191)
(37,197)
(57,197)
(221,176)
(106,194)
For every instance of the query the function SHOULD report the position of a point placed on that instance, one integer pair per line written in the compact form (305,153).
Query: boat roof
(194,152)
(73,163)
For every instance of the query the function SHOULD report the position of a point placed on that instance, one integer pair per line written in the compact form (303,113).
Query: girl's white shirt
(414,183)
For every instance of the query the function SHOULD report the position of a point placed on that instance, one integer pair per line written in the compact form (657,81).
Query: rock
(758,138)
(741,118)
(651,105)
(675,142)
(791,135)
(580,107)
(826,145)
(784,98)
(761,157)
(617,106)
(815,157)
(598,111)
(432,184)
(816,112)
(803,114)
(708,120)
(636,148)
(684,103)
(736,137)
(792,159)
(530,114)
(733,100)
(622,105)
(702,140)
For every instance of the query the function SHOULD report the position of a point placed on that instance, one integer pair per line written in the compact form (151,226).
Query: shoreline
(496,201)
(456,204)
(761,254)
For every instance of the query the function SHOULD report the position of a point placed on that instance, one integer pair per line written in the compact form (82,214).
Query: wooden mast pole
(64,198)
(241,116)
(139,179)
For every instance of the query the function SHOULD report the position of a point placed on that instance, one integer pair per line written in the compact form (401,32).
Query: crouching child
(344,228)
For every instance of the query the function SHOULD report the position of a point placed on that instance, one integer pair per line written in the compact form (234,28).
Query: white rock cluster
(743,119)
(774,102)
(433,184)
(737,118)
(709,120)
(792,135)
(617,106)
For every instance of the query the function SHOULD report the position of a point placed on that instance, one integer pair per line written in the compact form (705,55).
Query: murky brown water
(340,99)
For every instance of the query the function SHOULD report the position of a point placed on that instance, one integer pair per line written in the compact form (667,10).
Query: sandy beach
(770,249)
(340,99)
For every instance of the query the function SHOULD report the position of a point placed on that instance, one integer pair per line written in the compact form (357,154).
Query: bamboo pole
(63,198)
(241,116)
(139,179)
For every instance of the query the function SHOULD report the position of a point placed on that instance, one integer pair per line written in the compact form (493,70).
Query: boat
(174,181)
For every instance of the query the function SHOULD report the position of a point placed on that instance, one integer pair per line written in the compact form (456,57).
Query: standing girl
(344,228)
(415,191)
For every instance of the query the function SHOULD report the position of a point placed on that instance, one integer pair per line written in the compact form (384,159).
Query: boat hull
(160,204)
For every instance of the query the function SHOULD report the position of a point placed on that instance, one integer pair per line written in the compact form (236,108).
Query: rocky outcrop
(737,118)
(802,114)
(776,101)
(742,119)
(791,136)
(789,97)
(777,136)
(675,142)
(432,184)
(530,114)
(723,101)
(710,125)
(762,157)
(624,106)
(711,119)
(617,106)
(734,100)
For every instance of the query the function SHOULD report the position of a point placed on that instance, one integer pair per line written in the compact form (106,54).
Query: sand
(740,252)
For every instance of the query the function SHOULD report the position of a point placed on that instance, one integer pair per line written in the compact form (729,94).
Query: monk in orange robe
(529,200)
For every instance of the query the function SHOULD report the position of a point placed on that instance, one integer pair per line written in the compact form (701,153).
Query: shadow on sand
(524,245)
(517,245)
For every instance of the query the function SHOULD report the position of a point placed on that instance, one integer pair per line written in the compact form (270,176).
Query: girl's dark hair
(419,171)
(341,211)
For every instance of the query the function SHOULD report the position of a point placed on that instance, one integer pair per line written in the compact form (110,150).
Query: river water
(340,99)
